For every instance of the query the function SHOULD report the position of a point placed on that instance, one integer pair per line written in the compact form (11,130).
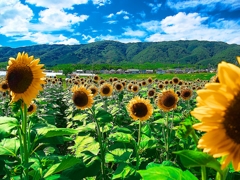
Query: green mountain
(113,52)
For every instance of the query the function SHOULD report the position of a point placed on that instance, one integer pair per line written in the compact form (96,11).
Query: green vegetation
(142,55)
(185,77)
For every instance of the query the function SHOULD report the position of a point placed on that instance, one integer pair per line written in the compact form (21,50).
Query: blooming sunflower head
(96,78)
(4,86)
(119,87)
(151,93)
(32,108)
(106,89)
(218,110)
(82,97)
(167,100)
(135,88)
(140,109)
(24,77)
(149,80)
(175,80)
(94,90)
(186,94)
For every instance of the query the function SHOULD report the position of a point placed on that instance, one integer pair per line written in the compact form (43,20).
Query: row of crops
(94,128)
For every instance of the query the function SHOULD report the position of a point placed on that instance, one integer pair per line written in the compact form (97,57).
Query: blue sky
(31,22)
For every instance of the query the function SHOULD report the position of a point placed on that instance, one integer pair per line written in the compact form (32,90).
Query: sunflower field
(94,128)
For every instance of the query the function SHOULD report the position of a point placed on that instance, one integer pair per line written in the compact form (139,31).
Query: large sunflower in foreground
(24,77)
(140,108)
(82,97)
(218,109)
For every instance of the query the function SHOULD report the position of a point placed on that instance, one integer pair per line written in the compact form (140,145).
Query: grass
(186,77)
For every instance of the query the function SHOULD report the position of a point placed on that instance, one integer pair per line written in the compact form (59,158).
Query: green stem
(194,136)
(166,138)
(224,172)
(203,173)
(25,142)
(138,145)
(100,140)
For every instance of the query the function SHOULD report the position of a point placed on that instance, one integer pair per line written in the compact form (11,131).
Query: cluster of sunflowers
(217,102)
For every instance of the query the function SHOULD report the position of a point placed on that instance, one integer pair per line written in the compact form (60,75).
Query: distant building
(148,71)
(160,71)
(132,71)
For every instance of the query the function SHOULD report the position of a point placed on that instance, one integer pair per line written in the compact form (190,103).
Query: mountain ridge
(113,52)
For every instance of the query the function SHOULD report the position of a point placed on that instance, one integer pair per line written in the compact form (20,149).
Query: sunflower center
(168,100)
(118,86)
(186,94)
(231,117)
(93,90)
(80,98)
(4,86)
(151,93)
(105,90)
(140,109)
(19,78)
(30,108)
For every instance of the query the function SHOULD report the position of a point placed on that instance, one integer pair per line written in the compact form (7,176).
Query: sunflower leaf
(191,158)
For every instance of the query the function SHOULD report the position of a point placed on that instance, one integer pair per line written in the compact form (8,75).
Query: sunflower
(186,94)
(135,88)
(149,80)
(118,87)
(218,110)
(167,100)
(94,90)
(4,86)
(82,97)
(160,86)
(139,109)
(175,80)
(144,83)
(129,86)
(24,77)
(32,108)
(151,93)
(96,78)
(106,89)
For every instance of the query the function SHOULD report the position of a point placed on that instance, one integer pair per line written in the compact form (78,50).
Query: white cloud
(142,14)
(211,4)
(111,22)
(89,38)
(41,38)
(182,22)
(151,26)
(61,19)
(125,17)
(57,4)
(117,38)
(122,12)
(14,17)
(110,15)
(101,2)
(190,27)
(155,7)
(136,33)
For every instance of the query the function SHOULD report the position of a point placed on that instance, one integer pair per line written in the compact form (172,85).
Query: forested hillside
(113,52)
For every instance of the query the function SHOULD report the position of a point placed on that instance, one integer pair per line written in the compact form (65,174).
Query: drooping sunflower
(32,108)
(139,108)
(24,77)
(186,94)
(167,100)
(4,86)
(218,110)
(129,86)
(106,89)
(82,97)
